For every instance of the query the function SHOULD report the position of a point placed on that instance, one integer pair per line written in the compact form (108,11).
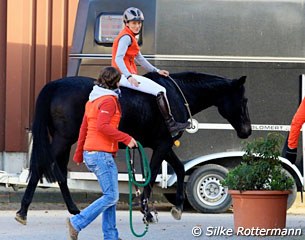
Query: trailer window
(108,26)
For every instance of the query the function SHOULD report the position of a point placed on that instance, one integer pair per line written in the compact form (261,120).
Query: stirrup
(175,133)
(176,127)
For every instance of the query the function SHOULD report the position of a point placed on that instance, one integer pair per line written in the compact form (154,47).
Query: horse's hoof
(149,218)
(176,213)
(20,219)
(74,211)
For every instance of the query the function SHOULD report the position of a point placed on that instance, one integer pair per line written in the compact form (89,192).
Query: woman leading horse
(60,108)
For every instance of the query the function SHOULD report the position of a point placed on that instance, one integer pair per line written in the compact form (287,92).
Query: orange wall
(2,71)
(37,41)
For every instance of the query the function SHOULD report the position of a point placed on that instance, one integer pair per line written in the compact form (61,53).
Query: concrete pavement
(47,221)
(50,225)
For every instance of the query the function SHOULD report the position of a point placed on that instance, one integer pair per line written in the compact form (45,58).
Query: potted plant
(259,187)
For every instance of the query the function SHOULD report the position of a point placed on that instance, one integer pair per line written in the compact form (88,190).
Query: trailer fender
(197,161)
(293,169)
(206,206)
(206,158)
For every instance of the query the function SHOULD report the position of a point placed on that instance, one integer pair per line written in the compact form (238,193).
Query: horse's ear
(242,80)
(239,82)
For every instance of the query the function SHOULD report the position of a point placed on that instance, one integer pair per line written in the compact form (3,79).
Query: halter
(146,173)
(185,101)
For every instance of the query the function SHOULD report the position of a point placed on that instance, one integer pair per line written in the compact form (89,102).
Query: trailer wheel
(293,195)
(204,191)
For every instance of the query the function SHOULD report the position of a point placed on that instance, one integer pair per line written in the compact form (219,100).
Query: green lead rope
(132,181)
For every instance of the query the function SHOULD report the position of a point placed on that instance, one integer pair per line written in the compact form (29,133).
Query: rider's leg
(173,126)
(145,85)
(148,86)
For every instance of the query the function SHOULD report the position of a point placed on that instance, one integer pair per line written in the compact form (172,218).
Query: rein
(184,99)
(146,173)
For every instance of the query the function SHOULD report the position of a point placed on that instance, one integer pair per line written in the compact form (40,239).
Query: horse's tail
(42,161)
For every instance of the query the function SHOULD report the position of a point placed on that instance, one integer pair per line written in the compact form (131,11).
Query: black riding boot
(173,126)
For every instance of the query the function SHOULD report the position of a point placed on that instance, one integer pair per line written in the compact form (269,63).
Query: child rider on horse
(97,145)
(125,52)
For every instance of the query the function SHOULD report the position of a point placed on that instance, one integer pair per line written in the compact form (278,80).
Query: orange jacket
(296,124)
(99,129)
(131,52)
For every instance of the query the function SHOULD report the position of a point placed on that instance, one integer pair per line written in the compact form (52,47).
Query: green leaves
(264,148)
(261,168)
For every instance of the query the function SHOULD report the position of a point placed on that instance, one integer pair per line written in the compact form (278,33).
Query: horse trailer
(263,40)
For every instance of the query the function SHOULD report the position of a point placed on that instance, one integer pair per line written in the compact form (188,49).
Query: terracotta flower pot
(259,209)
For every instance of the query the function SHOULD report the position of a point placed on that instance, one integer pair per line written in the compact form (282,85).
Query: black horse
(60,108)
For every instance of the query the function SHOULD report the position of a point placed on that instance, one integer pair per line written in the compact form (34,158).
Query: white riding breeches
(145,85)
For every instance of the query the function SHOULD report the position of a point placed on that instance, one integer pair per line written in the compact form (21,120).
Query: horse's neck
(200,97)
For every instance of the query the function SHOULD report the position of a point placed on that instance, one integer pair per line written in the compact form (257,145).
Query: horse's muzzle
(245,131)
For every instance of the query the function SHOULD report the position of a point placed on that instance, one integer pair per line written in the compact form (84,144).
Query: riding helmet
(133,14)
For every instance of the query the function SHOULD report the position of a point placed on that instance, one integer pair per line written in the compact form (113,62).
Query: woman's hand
(132,143)
(163,73)
(133,81)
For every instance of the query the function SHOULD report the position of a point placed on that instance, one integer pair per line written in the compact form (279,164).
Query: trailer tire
(293,195)
(204,191)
